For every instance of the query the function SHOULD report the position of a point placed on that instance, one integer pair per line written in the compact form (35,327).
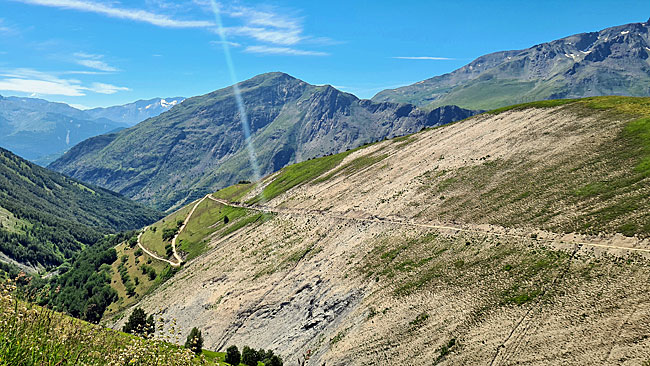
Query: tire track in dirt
(507,353)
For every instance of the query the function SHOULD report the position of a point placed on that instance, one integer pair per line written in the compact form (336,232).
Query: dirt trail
(153,255)
(179,260)
(405,222)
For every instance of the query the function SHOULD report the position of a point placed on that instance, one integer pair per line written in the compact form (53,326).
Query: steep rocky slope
(519,236)
(613,61)
(199,146)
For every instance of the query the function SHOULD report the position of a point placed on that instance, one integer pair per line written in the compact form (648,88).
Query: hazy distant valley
(42,131)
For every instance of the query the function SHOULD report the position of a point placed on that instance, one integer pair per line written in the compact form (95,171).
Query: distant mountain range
(136,112)
(613,61)
(198,146)
(37,129)
(41,131)
(45,218)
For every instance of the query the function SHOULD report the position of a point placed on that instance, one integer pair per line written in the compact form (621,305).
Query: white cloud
(106,88)
(82,72)
(93,61)
(264,18)
(41,87)
(282,51)
(41,83)
(285,37)
(279,28)
(229,43)
(5,29)
(423,58)
(322,41)
(96,64)
(121,13)
(266,25)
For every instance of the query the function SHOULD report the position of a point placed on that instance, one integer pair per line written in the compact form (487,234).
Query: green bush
(250,356)
(168,234)
(149,271)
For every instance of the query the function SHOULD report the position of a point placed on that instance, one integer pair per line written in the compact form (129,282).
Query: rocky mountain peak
(612,61)
(198,146)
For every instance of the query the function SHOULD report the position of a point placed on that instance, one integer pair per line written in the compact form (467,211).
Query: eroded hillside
(519,236)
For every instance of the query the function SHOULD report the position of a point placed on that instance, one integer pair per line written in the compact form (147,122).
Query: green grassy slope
(210,221)
(31,336)
(607,182)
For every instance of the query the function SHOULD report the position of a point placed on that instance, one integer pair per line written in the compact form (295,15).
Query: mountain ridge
(135,112)
(198,146)
(40,130)
(613,61)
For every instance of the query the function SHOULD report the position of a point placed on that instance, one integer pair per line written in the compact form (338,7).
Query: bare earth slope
(514,237)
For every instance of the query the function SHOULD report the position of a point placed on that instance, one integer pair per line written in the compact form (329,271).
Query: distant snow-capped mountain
(136,112)
(40,131)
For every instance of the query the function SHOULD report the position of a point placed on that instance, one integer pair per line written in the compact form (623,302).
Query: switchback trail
(406,222)
(151,254)
(179,260)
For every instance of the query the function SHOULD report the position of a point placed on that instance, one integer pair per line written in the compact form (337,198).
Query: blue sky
(100,53)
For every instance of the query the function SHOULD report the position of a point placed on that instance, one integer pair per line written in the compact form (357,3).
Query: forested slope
(46,217)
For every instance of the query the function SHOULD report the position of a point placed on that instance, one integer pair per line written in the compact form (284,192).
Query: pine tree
(195,341)
(138,323)
(233,356)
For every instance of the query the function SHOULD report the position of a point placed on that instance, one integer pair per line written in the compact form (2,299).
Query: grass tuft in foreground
(31,335)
